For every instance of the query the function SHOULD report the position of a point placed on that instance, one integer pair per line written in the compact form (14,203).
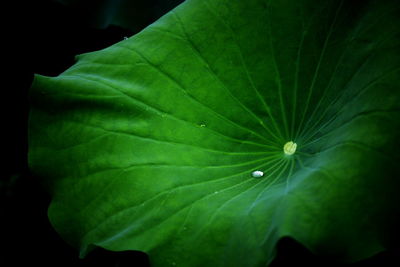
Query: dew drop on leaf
(257,174)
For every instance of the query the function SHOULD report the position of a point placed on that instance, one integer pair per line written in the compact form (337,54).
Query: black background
(43,37)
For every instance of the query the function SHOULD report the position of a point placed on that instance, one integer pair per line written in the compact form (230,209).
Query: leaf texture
(150,144)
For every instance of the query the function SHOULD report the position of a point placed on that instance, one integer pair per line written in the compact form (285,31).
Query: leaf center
(289,148)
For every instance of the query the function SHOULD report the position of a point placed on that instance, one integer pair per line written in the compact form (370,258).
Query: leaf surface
(150,144)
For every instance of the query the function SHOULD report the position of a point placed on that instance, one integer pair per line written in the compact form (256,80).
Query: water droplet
(202,125)
(216,192)
(289,148)
(125,38)
(257,174)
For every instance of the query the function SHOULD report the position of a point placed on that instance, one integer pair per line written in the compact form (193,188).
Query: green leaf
(151,143)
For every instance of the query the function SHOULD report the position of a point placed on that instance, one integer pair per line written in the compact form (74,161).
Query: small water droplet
(257,174)
(216,192)
(202,125)
(126,38)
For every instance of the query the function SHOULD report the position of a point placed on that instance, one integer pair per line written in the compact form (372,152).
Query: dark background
(43,37)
